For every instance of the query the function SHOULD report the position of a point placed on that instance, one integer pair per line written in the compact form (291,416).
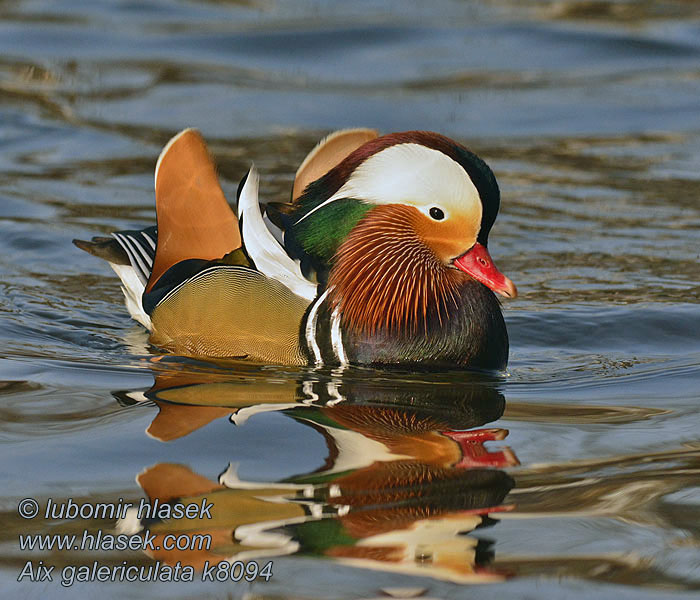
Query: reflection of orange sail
(230,510)
(175,420)
(190,400)
(167,482)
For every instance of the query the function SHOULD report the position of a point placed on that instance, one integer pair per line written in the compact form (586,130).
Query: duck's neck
(384,278)
(399,304)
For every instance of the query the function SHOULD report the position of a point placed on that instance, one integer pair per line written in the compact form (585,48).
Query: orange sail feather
(194,219)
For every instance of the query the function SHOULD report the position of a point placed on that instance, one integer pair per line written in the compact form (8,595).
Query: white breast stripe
(311,328)
(337,338)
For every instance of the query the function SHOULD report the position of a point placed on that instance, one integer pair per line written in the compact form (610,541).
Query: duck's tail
(131,255)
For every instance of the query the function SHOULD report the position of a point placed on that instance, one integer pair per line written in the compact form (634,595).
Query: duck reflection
(402,485)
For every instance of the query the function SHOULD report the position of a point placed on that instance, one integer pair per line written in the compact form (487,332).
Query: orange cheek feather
(454,242)
(447,239)
(385,277)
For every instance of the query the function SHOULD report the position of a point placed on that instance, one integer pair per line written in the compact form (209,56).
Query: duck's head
(401,211)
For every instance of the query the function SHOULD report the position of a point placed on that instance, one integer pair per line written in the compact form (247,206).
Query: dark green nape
(322,231)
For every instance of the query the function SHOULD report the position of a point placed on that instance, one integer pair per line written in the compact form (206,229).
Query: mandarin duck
(383,259)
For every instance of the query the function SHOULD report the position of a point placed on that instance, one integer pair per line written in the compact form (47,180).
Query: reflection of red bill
(475,455)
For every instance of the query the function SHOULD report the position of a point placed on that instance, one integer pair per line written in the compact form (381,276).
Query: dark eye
(436,213)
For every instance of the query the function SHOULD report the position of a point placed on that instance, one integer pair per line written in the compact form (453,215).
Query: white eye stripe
(413,175)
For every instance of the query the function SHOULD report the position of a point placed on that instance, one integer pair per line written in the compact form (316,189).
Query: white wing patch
(267,254)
